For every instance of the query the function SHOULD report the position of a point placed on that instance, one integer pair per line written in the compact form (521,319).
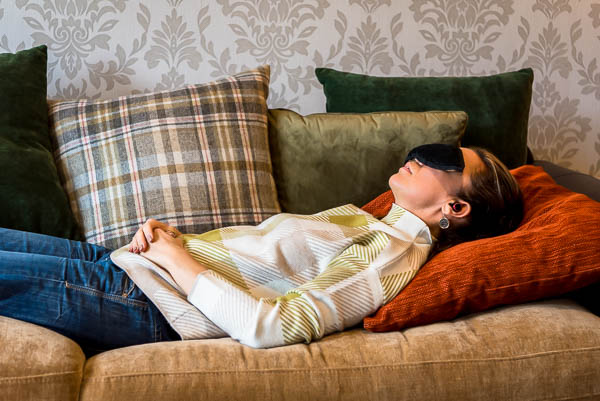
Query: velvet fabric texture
(31,197)
(497,105)
(555,250)
(326,160)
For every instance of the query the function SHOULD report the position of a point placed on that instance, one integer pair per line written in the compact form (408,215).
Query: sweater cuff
(205,291)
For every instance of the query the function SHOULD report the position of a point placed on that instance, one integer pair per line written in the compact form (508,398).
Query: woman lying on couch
(292,278)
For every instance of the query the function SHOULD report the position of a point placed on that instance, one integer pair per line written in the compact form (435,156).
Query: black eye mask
(438,156)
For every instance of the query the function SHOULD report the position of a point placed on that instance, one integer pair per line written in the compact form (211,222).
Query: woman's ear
(457,208)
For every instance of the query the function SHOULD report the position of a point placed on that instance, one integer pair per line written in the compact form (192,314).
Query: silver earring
(444,222)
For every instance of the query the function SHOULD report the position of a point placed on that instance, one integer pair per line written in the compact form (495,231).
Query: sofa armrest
(573,180)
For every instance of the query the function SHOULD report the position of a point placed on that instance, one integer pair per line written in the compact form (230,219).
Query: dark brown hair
(496,204)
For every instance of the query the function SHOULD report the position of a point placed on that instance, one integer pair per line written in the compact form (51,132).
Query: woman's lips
(407,168)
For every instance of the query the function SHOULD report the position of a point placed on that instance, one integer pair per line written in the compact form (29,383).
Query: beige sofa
(547,350)
(540,351)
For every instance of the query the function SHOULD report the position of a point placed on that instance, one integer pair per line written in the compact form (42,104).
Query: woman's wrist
(174,257)
(184,269)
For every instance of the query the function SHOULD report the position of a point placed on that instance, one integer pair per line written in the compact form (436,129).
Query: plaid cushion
(196,158)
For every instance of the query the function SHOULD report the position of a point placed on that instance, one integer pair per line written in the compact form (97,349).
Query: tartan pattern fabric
(296,278)
(196,158)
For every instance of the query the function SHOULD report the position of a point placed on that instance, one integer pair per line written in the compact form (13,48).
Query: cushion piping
(45,377)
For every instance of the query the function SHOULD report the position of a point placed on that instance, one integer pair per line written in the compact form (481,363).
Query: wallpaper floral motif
(105,48)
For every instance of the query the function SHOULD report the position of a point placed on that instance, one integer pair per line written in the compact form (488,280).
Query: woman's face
(423,190)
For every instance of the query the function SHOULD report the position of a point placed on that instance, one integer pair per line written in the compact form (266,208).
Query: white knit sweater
(292,278)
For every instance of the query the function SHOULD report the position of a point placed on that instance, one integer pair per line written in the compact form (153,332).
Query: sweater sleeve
(369,272)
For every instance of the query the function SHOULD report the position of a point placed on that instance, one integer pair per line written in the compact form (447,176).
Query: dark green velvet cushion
(497,105)
(31,197)
(326,160)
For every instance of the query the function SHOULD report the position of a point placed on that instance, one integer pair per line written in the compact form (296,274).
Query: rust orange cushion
(555,250)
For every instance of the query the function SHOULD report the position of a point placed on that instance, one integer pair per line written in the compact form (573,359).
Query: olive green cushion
(325,160)
(497,105)
(31,197)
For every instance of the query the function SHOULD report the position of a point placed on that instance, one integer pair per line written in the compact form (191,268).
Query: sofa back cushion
(31,197)
(326,160)
(196,158)
(555,250)
(497,105)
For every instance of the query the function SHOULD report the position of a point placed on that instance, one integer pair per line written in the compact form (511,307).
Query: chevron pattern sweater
(293,278)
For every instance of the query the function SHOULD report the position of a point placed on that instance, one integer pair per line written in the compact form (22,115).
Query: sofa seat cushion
(37,363)
(543,350)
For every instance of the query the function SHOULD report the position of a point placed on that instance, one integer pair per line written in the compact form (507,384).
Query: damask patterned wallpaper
(104,48)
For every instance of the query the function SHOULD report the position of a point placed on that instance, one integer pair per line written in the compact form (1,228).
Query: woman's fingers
(145,235)
(152,225)
(149,227)
(133,245)
(139,241)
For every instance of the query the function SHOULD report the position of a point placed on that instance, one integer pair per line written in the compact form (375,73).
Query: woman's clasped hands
(157,241)
(163,245)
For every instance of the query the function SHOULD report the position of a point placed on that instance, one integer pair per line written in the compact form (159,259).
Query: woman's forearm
(167,250)
(184,269)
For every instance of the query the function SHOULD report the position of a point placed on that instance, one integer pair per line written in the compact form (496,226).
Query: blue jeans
(74,289)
